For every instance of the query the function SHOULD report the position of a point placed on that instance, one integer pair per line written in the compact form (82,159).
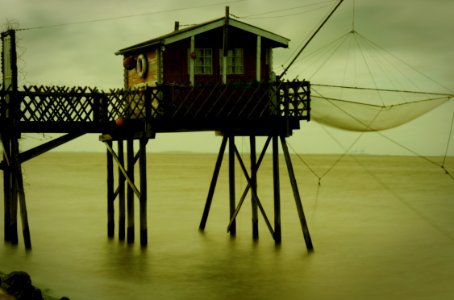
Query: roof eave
(204,27)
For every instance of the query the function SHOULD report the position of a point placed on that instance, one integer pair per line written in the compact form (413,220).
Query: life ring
(142,66)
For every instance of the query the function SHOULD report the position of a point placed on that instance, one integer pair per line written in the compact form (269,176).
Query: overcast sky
(82,53)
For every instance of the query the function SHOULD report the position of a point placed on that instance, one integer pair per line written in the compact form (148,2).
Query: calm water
(382,227)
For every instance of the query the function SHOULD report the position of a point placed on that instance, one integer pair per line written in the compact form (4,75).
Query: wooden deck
(240,108)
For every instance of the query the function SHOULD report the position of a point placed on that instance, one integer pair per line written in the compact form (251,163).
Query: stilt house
(222,50)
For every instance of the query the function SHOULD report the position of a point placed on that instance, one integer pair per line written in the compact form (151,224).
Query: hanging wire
(130,16)
(405,63)
(447,148)
(269,14)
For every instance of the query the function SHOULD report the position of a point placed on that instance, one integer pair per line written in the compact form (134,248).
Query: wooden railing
(61,109)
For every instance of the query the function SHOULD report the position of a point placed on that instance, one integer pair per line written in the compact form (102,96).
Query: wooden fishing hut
(218,76)
(222,50)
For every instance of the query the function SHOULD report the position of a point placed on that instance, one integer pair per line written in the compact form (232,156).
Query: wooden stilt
(130,192)
(277,196)
(14,203)
(248,187)
(299,206)
(232,199)
(255,220)
(214,180)
(143,193)
(248,178)
(23,209)
(7,196)
(110,194)
(121,194)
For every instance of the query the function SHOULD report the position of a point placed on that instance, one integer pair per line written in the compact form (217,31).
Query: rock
(19,285)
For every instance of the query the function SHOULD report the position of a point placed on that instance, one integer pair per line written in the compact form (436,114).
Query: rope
(383,90)
(128,16)
(262,15)
(449,141)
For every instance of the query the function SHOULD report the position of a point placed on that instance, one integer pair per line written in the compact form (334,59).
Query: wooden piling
(214,180)
(143,192)
(276,187)
(255,220)
(232,198)
(130,191)
(13,207)
(110,194)
(121,193)
(299,205)
(23,209)
(6,199)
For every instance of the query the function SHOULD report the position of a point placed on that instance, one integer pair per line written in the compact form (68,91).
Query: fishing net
(363,116)
(369,88)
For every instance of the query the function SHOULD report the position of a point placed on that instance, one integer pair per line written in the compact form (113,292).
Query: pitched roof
(204,27)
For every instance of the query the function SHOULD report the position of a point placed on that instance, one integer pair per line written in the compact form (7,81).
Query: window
(203,61)
(235,61)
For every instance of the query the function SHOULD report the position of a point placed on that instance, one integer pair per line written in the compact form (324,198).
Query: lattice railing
(235,101)
(57,104)
(294,99)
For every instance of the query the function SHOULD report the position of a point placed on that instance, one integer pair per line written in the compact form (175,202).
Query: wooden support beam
(276,188)
(232,199)
(255,219)
(246,190)
(23,207)
(34,152)
(13,201)
(7,196)
(214,180)
(110,194)
(259,204)
(129,179)
(299,205)
(143,192)
(121,193)
(130,191)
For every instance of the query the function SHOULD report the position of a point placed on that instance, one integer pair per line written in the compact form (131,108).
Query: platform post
(21,194)
(277,188)
(121,194)
(130,191)
(9,135)
(255,220)
(12,199)
(7,189)
(143,192)
(110,194)
(214,180)
(299,205)
(232,198)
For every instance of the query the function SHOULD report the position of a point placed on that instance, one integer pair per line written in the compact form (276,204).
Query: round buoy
(120,122)
(142,66)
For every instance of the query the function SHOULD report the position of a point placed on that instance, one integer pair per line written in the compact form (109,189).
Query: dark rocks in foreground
(18,285)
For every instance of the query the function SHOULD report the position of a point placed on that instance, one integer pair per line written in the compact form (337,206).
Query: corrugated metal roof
(181,34)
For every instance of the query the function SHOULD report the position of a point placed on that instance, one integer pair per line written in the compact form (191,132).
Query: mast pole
(310,39)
